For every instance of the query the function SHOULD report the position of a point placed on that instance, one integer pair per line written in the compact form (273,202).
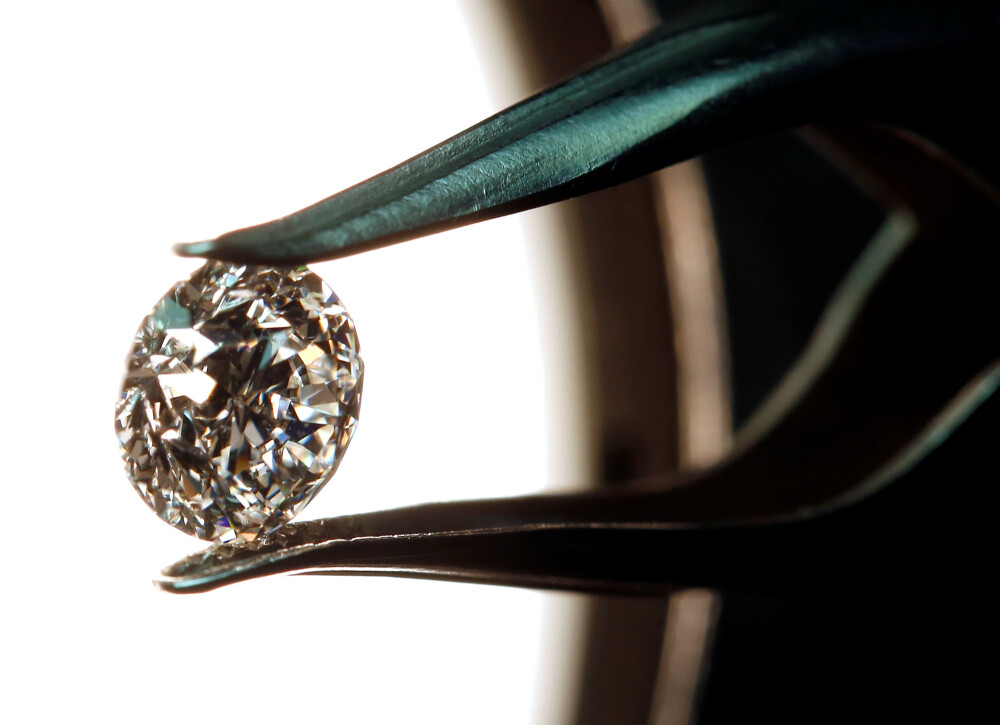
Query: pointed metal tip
(196,249)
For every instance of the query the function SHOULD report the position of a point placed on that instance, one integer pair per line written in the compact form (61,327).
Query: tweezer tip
(195,249)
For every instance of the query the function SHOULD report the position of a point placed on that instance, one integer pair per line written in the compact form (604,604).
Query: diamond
(241,394)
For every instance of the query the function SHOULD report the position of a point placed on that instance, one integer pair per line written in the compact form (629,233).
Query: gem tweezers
(891,390)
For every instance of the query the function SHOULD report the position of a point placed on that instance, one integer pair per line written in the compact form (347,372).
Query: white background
(126,127)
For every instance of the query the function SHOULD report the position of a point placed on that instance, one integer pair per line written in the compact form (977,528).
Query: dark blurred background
(786,227)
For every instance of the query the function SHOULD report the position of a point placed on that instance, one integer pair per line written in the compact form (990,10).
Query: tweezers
(891,391)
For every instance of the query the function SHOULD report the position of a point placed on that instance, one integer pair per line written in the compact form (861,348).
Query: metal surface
(695,84)
(891,372)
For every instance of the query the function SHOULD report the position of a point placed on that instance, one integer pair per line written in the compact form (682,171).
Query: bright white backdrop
(126,127)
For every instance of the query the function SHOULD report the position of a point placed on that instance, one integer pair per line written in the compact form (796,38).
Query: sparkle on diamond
(241,394)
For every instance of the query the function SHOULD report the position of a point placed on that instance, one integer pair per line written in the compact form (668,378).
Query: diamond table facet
(241,394)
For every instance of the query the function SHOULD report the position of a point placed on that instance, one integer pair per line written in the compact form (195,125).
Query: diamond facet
(241,394)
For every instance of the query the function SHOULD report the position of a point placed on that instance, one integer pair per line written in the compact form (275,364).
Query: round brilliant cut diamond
(241,394)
